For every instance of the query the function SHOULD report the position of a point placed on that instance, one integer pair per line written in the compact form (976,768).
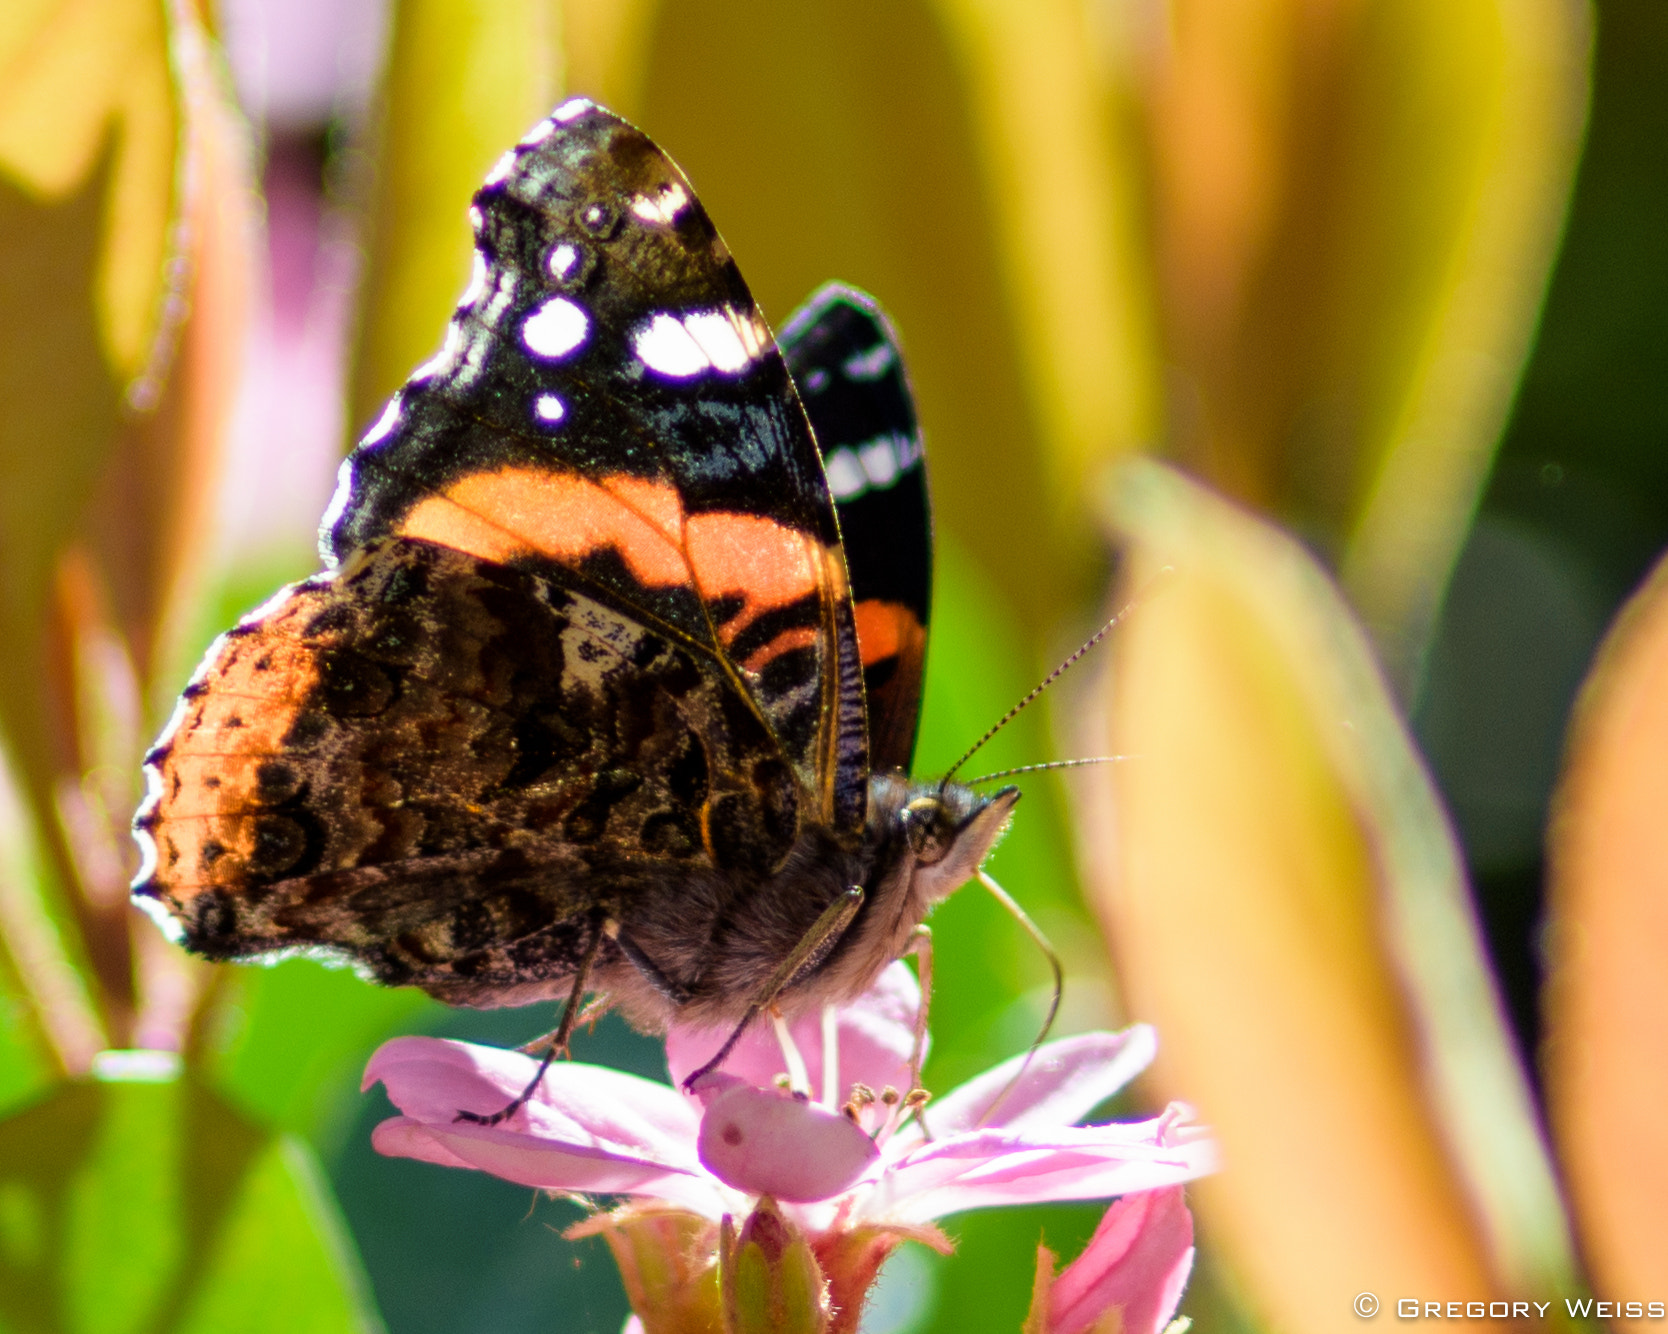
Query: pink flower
(596,1131)
(1137,1264)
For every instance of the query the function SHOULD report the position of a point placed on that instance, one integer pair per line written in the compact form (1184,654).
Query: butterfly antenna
(1052,764)
(1058,672)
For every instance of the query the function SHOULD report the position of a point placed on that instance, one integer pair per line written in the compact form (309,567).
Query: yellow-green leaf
(465,80)
(1354,211)
(123,198)
(141,1202)
(849,140)
(85,83)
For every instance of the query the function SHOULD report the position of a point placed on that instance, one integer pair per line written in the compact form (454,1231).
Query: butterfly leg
(675,992)
(1052,955)
(558,1040)
(812,949)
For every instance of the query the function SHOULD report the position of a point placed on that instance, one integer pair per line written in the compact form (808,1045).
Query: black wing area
(610,406)
(846,361)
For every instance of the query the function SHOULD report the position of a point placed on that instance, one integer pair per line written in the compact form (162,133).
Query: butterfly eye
(926,824)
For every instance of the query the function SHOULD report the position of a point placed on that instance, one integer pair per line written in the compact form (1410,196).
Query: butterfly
(612,678)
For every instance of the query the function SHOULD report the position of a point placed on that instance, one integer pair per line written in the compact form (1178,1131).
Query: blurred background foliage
(1299,248)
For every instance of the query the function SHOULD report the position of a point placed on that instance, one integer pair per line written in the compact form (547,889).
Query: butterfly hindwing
(610,408)
(846,361)
(441,765)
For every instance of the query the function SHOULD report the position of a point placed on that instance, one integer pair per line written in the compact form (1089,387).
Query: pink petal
(1137,1263)
(401,1137)
(1062,1083)
(877,1031)
(587,1106)
(981,1168)
(544,1165)
(767,1143)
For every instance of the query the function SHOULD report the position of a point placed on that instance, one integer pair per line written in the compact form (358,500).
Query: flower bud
(771,1281)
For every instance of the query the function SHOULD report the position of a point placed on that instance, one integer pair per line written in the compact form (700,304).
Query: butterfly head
(943,830)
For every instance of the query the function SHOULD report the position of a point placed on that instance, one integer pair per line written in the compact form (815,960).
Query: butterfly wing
(609,406)
(587,646)
(443,766)
(846,361)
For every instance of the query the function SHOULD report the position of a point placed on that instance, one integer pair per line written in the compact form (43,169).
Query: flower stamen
(799,1078)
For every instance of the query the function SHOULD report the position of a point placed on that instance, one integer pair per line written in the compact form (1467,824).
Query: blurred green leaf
(465,80)
(282,1260)
(293,1038)
(26,1066)
(977,668)
(34,956)
(52,447)
(148,1205)
(87,105)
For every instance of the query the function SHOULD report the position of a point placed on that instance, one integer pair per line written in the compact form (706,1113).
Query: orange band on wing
(801,637)
(518,511)
(885,629)
(208,773)
(564,517)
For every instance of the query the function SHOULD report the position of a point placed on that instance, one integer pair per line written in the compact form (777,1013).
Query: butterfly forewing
(609,407)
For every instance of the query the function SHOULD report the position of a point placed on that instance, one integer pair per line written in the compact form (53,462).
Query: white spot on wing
(870,365)
(548,408)
(574,106)
(880,462)
(872,466)
(443,360)
(384,424)
(501,298)
(475,219)
(477,282)
(153,908)
(501,168)
(754,333)
(666,346)
(153,775)
(845,474)
(474,356)
(337,507)
(562,260)
(719,337)
(663,207)
(725,339)
(539,133)
(555,329)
